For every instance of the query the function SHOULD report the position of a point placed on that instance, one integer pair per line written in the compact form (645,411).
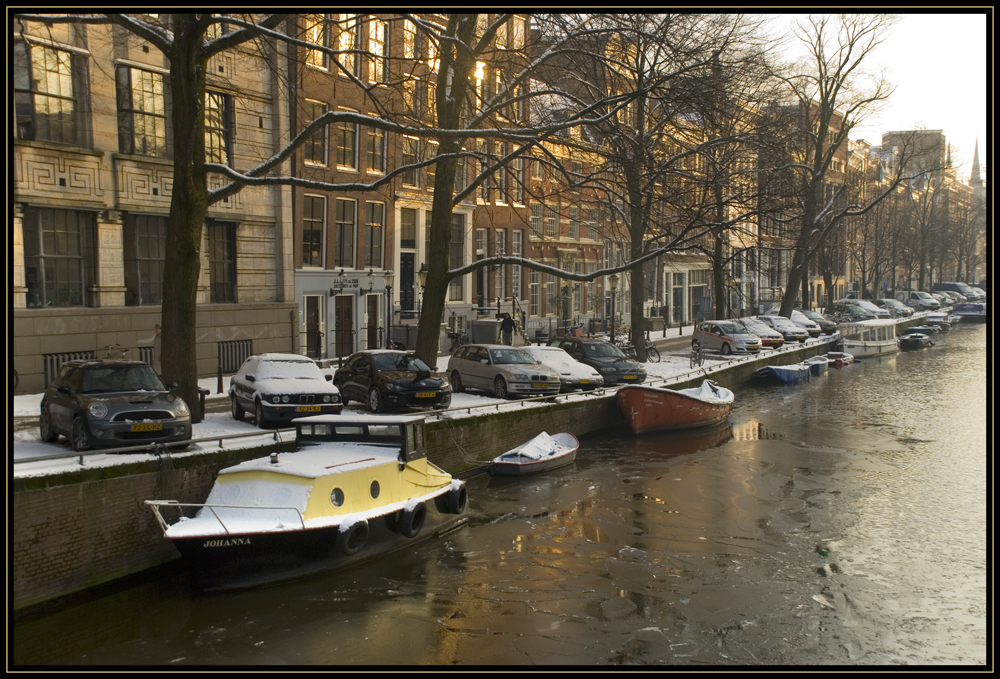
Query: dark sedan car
(112,403)
(604,357)
(384,378)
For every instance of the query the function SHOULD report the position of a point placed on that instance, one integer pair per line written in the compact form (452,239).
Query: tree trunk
(188,206)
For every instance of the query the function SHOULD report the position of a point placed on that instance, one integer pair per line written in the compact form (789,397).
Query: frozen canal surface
(838,522)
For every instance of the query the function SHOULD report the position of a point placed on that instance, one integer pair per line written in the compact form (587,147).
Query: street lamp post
(422,279)
(388,277)
(613,282)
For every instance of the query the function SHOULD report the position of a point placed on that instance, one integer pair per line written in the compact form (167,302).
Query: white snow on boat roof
(322,459)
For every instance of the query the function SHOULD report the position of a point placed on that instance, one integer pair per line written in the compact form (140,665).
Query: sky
(938,63)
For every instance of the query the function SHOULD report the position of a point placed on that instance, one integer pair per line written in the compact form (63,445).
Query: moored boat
(655,409)
(838,359)
(349,479)
(915,340)
(787,374)
(540,454)
(869,338)
(975,312)
(816,364)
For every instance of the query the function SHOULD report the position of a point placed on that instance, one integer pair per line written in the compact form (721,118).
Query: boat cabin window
(360,432)
(383,430)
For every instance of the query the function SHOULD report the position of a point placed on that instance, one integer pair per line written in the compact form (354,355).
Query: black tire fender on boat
(350,541)
(456,500)
(412,520)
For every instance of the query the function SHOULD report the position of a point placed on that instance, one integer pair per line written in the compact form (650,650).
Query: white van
(918,300)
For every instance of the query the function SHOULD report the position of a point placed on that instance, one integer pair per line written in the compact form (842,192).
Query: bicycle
(122,351)
(697,357)
(457,340)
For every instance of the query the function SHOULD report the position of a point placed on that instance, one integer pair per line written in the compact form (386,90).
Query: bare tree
(831,95)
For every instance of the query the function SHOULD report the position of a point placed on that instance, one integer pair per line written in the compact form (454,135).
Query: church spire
(976,179)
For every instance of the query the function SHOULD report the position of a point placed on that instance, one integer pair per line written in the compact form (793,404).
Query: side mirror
(329,377)
(171,386)
(63,389)
(251,378)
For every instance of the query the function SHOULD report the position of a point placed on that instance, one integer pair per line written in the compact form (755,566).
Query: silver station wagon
(726,337)
(500,369)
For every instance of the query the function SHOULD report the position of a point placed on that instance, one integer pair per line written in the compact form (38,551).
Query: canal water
(836,522)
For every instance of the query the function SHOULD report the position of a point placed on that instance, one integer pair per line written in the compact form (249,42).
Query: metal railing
(157,504)
(156,448)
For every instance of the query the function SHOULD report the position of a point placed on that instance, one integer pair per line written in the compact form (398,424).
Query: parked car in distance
(789,330)
(800,319)
(725,337)
(852,313)
(769,337)
(281,387)
(918,300)
(960,288)
(980,293)
(505,371)
(573,374)
(954,297)
(383,378)
(112,403)
(826,326)
(604,357)
(895,307)
(867,306)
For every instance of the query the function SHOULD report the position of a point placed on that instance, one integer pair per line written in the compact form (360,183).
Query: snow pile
(257,506)
(541,446)
(710,392)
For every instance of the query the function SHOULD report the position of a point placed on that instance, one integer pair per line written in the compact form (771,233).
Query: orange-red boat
(651,409)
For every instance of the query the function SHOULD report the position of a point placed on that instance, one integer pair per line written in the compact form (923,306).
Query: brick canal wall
(76,530)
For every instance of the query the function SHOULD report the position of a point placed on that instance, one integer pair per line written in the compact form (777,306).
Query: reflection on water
(840,521)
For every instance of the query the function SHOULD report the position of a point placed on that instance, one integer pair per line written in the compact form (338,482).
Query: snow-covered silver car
(573,374)
(725,336)
(281,387)
(503,370)
(791,332)
(112,403)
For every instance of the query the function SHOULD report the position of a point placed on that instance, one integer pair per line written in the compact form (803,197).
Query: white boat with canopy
(869,338)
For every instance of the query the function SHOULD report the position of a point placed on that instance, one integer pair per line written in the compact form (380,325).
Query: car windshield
(551,354)
(405,362)
(812,316)
(756,327)
(277,369)
(603,350)
(510,356)
(733,328)
(108,378)
(922,295)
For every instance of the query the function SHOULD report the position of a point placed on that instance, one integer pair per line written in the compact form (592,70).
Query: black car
(112,403)
(604,357)
(385,378)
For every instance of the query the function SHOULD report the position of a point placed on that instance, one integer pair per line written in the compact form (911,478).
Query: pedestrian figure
(156,349)
(507,328)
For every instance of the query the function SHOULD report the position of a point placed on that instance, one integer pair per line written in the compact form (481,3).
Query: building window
(222,261)
(592,224)
(407,228)
(218,128)
(431,151)
(145,248)
(373,234)
(536,219)
(47,82)
(534,293)
(142,113)
(347,42)
(502,195)
(313,222)
(500,270)
(578,289)
(314,150)
(457,256)
(376,150)
(552,223)
(377,45)
(574,223)
(517,177)
(59,256)
(516,250)
(316,33)
(411,154)
(347,145)
(551,298)
(410,44)
(343,245)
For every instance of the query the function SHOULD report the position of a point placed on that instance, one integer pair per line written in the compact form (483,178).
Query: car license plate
(426,394)
(630,377)
(307,409)
(540,385)
(152,426)
(584,381)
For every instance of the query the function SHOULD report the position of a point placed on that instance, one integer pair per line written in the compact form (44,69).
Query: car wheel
(238,411)
(258,415)
(726,349)
(456,383)
(500,388)
(375,400)
(45,431)
(79,437)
